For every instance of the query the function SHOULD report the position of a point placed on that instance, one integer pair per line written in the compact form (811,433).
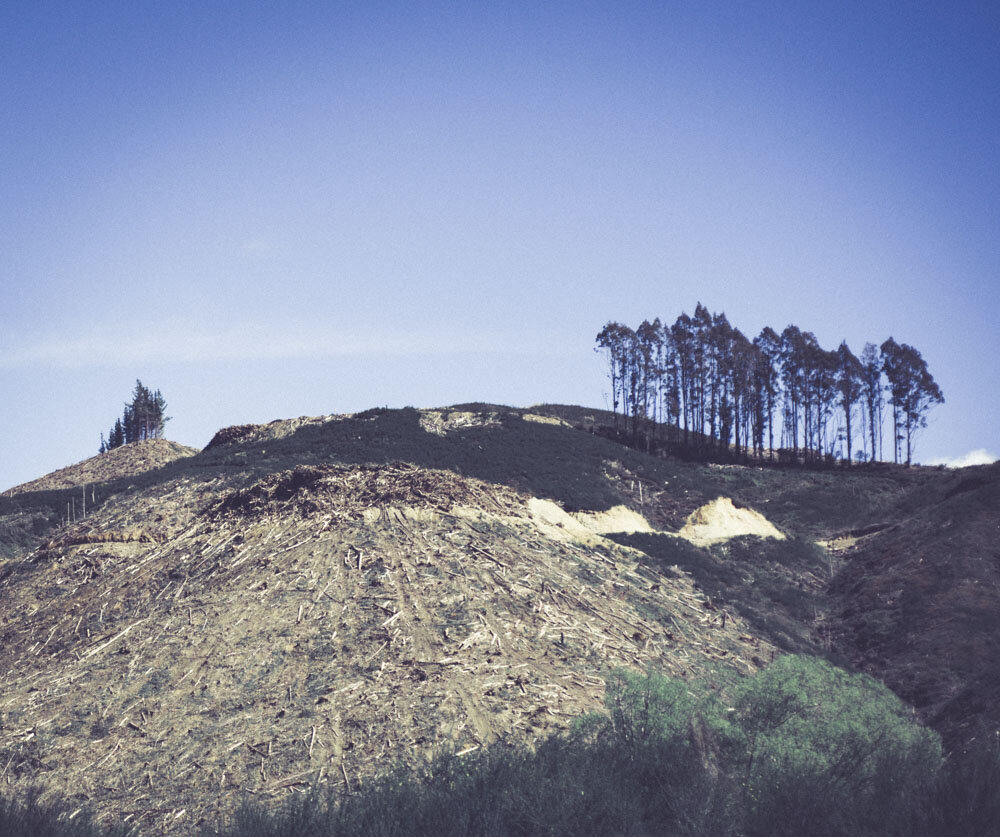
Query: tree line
(715,389)
(143,418)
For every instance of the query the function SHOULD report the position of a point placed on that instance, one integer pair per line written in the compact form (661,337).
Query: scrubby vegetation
(33,817)
(802,748)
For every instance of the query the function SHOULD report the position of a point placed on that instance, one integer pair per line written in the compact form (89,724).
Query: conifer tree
(142,418)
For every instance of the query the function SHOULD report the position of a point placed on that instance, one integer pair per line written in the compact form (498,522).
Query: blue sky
(278,209)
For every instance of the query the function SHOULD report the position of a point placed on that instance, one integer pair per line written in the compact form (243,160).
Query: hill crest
(122,462)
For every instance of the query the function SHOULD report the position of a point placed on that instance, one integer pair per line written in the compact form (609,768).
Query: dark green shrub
(803,747)
(647,709)
(967,798)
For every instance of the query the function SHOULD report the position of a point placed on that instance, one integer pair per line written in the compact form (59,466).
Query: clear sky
(277,209)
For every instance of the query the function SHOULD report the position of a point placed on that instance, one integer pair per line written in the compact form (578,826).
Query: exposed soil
(720,520)
(443,422)
(616,519)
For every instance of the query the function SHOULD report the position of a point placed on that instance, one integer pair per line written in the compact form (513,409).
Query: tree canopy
(712,388)
(143,418)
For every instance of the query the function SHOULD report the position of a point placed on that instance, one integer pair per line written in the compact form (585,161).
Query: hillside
(30,511)
(310,600)
(120,463)
(919,602)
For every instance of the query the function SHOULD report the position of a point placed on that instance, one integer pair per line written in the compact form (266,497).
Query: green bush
(800,748)
(647,709)
(817,749)
(805,747)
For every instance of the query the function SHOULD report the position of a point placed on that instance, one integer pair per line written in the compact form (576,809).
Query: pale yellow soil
(617,519)
(546,420)
(442,422)
(721,520)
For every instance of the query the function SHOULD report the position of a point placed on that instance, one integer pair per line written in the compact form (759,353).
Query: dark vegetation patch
(33,815)
(21,529)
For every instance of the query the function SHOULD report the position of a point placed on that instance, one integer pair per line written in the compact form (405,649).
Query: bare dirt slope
(215,634)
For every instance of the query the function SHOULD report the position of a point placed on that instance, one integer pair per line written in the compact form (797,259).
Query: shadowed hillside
(29,511)
(919,601)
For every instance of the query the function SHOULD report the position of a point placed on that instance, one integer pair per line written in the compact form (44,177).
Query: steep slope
(121,463)
(29,511)
(919,601)
(219,633)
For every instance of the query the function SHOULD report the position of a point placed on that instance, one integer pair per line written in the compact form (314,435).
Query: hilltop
(120,463)
(311,600)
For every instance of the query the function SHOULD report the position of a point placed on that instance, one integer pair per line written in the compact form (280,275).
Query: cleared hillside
(29,512)
(310,600)
(121,463)
(918,602)
(196,640)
